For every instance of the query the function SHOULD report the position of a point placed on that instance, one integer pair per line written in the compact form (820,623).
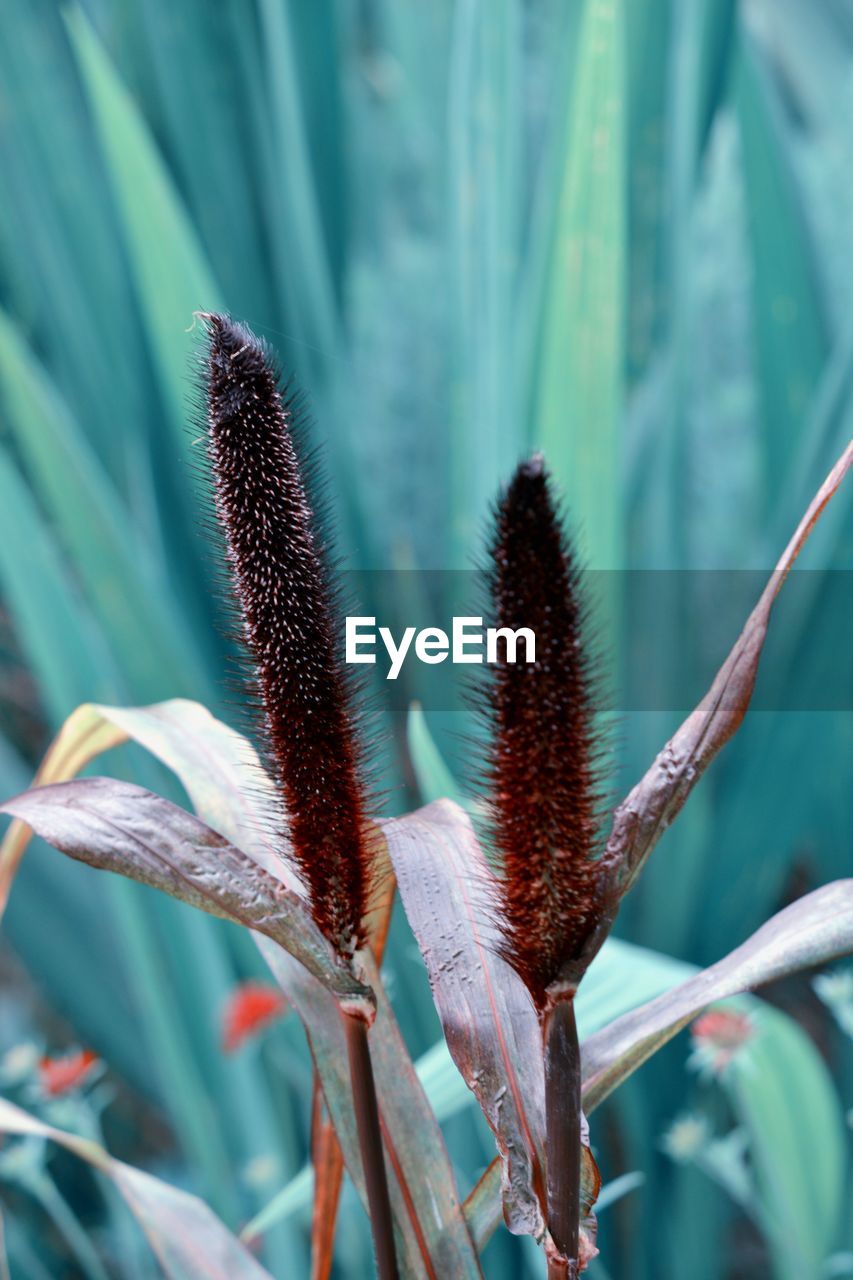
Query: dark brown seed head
(542,768)
(279,576)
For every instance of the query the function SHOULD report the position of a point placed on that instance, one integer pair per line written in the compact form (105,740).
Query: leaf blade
(172,274)
(212,761)
(813,930)
(488,1018)
(117,826)
(642,817)
(581,375)
(187,1238)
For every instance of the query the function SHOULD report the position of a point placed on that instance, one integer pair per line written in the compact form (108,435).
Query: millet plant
(288,844)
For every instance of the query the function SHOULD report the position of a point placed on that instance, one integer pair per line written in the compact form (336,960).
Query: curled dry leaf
(84,735)
(182,734)
(643,816)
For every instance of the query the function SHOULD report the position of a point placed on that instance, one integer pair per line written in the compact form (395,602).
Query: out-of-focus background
(617,230)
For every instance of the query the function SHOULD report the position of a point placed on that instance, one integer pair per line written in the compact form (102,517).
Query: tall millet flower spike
(542,770)
(282,587)
(544,801)
(286,600)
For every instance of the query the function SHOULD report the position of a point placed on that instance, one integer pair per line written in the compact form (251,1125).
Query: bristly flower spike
(542,771)
(289,616)
(544,804)
(287,603)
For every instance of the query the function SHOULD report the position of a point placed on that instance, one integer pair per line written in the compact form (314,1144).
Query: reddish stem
(370,1140)
(562,1137)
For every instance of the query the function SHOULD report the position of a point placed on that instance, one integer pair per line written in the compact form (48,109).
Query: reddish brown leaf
(489,1021)
(328,1162)
(117,826)
(643,816)
(486,1012)
(816,929)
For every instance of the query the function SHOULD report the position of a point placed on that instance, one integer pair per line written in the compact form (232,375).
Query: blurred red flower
(58,1076)
(717,1037)
(250,1007)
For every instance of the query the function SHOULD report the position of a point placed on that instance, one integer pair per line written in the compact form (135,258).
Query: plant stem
(562,1136)
(370,1139)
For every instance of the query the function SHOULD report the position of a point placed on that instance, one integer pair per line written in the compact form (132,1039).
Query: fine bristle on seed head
(278,571)
(542,773)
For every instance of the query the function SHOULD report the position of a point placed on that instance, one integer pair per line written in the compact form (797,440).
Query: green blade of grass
(35,587)
(299,252)
(483,145)
(186,52)
(790,324)
(65,277)
(172,275)
(97,534)
(579,394)
(781,1091)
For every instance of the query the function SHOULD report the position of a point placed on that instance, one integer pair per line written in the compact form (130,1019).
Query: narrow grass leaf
(578,402)
(36,587)
(173,277)
(187,1239)
(782,1093)
(484,179)
(790,315)
(811,932)
(94,527)
(299,253)
(65,277)
(117,826)
(327,1162)
(435,781)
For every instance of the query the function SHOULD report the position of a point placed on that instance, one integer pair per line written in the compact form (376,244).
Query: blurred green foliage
(614,229)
